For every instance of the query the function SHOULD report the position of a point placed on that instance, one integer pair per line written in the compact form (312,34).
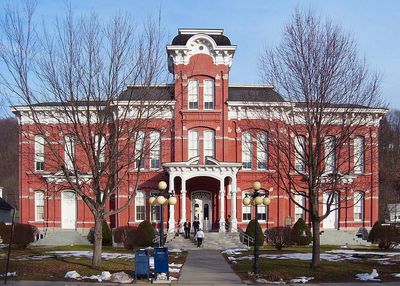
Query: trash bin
(161,263)
(142,263)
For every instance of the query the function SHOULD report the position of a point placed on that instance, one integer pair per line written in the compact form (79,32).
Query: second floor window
(262,151)
(155,149)
(139,150)
(208,94)
(39,153)
(193,94)
(193,144)
(100,147)
(209,150)
(247,153)
(299,153)
(359,155)
(69,152)
(330,158)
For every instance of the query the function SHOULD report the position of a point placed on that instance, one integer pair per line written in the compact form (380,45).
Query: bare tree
(331,99)
(71,82)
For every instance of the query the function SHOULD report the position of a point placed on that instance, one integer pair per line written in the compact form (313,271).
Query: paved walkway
(207,267)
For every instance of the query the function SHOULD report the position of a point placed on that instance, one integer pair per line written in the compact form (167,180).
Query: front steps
(212,240)
(342,237)
(62,237)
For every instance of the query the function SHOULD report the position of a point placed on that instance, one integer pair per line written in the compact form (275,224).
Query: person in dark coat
(186,228)
(196,225)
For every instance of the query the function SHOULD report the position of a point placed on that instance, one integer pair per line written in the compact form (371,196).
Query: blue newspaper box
(142,263)
(161,264)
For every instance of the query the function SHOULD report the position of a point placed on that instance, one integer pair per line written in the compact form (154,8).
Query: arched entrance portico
(201,209)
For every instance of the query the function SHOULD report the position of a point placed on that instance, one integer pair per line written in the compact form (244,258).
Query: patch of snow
(368,276)
(88,254)
(175,265)
(357,252)
(301,279)
(344,246)
(163,276)
(175,250)
(234,251)
(104,276)
(9,274)
(396,275)
(264,281)
(174,270)
(72,275)
(121,277)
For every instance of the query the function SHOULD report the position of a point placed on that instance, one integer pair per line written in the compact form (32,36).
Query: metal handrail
(243,236)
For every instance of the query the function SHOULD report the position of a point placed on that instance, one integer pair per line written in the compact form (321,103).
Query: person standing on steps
(228,223)
(186,228)
(196,225)
(199,236)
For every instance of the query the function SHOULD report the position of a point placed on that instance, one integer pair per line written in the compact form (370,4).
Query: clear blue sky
(252,25)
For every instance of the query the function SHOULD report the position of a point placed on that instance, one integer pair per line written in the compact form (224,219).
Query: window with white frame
(208,94)
(209,143)
(358,206)
(155,212)
(330,161)
(193,144)
(299,211)
(39,153)
(69,152)
(39,206)
(139,150)
(155,149)
(247,153)
(140,206)
(262,151)
(193,94)
(100,147)
(299,152)
(262,212)
(359,155)
(246,210)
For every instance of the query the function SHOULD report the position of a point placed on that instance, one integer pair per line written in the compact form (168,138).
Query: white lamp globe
(161,200)
(256,185)
(162,185)
(246,201)
(152,200)
(172,200)
(258,200)
(266,201)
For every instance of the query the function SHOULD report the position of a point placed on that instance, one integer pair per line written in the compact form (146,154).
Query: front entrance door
(68,210)
(331,222)
(202,209)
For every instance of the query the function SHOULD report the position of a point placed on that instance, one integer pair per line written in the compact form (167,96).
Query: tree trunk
(316,251)
(97,243)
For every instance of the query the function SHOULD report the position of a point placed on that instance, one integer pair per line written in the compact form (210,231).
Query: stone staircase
(342,237)
(62,237)
(212,240)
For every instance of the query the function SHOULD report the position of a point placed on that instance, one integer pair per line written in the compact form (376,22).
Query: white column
(222,206)
(233,204)
(183,204)
(171,221)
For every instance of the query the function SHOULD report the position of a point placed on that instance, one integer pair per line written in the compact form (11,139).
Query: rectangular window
(100,147)
(139,150)
(193,94)
(140,203)
(39,153)
(155,149)
(299,152)
(39,206)
(247,153)
(262,212)
(330,161)
(299,211)
(359,155)
(208,94)
(209,143)
(193,144)
(69,152)
(246,210)
(155,213)
(262,151)
(358,206)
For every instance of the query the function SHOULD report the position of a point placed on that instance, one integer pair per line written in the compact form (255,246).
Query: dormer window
(193,94)
(208,94)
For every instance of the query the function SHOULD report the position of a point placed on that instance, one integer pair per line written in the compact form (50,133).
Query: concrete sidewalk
(207,267)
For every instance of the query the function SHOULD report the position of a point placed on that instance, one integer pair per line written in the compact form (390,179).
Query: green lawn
(55,268)
(287,269)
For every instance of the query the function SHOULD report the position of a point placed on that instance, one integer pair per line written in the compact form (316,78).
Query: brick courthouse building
(208,155)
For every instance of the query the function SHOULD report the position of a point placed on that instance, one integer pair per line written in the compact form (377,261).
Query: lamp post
(256,198)
(161,198)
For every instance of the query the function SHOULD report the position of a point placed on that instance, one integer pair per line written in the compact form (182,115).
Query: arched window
(208,94)
(39,153)
(193,144)
(139,150)
(359,155)
(155,149)
(330,158)
(140,204)
(247,152)
(39,206)
(193,94)
(262,150)
(299,153)
(209,143)
(358,206)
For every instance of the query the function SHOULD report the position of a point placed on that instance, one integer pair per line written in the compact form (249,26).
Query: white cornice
(251,85)
(192,31)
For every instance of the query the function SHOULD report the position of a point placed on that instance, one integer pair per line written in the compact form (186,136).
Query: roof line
(208,31)
(251,85)
(150,85)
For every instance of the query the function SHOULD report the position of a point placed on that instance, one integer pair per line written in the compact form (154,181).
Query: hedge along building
(208,144)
